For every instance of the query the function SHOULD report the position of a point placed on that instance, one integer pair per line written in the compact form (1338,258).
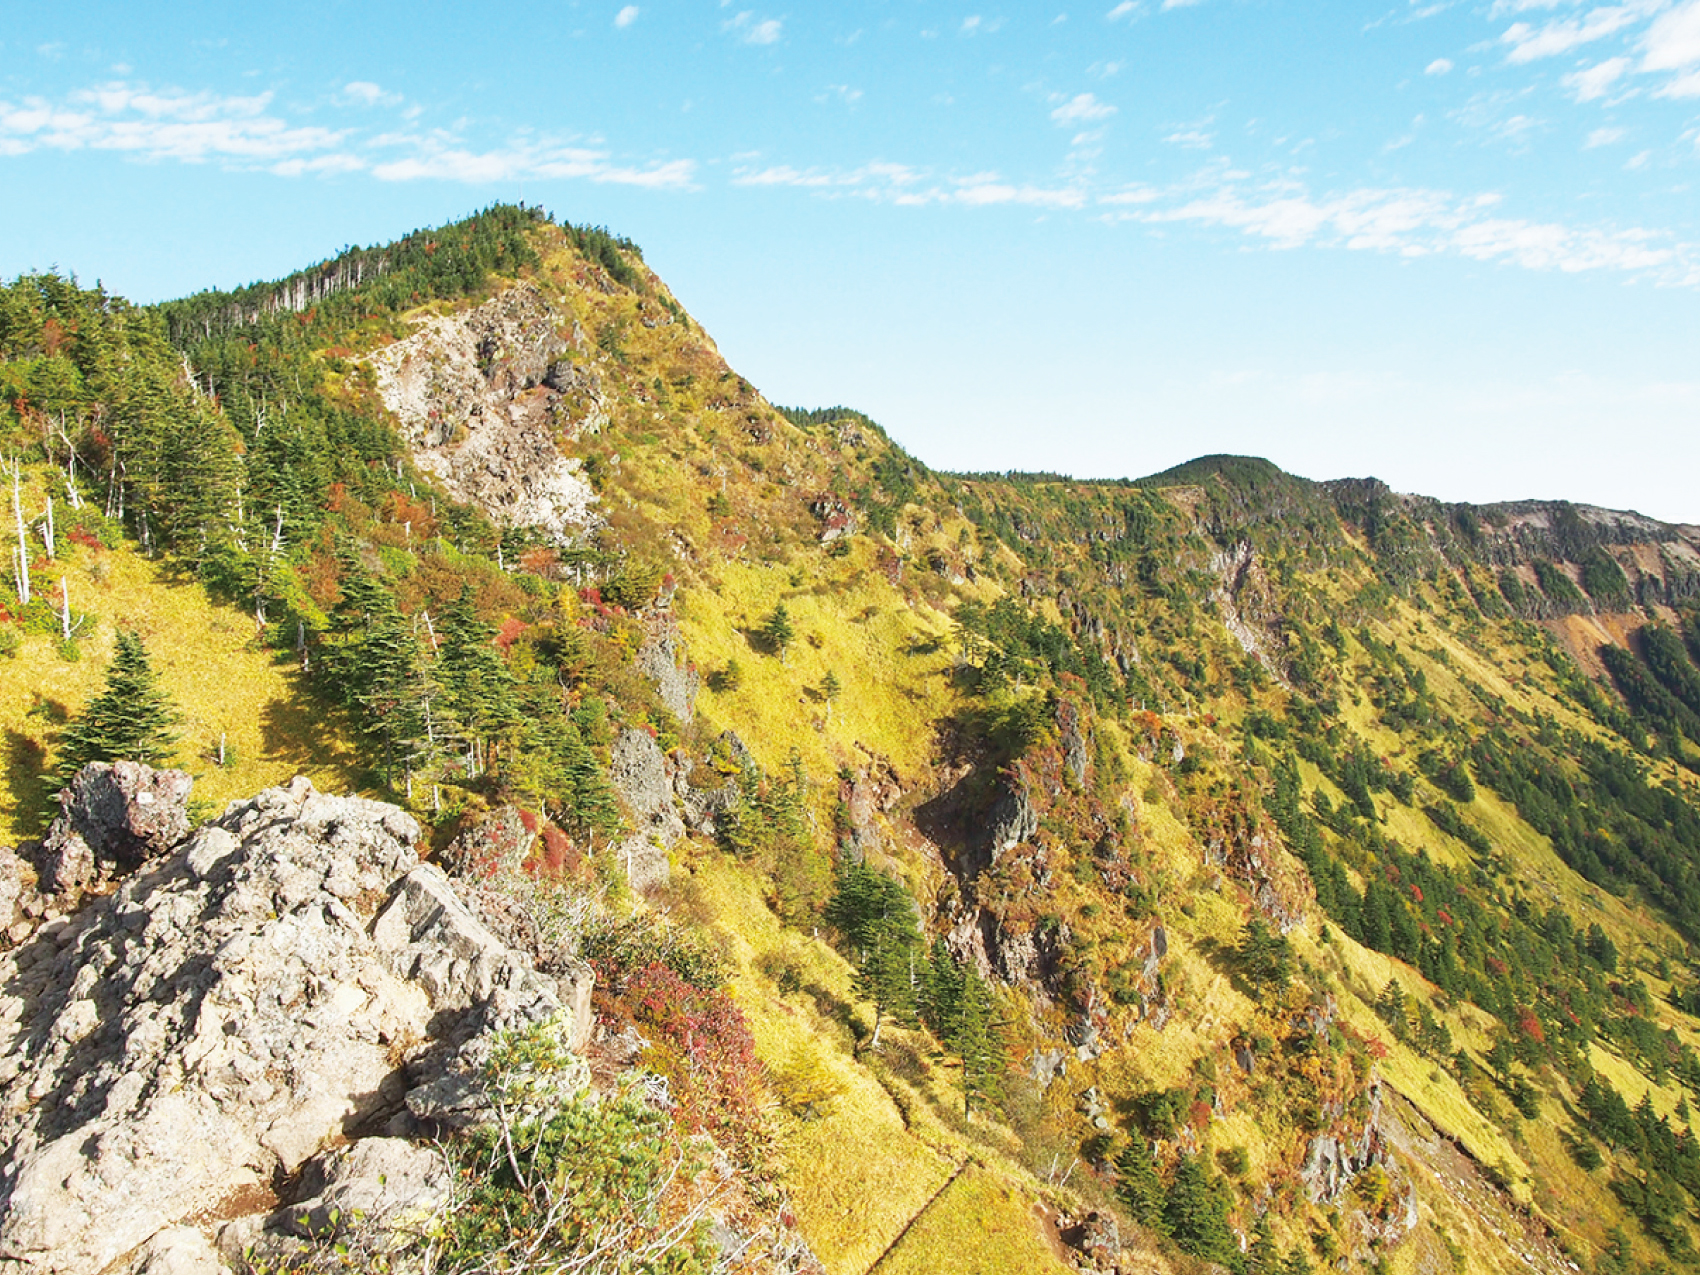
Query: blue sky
(1453,245)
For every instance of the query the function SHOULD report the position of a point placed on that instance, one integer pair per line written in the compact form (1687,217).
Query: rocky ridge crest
(238,1023)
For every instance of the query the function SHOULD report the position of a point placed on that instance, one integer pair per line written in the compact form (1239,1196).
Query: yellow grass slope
(217,675)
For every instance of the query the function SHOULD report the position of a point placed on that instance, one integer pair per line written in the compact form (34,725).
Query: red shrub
(1530,1025)
(704,1048)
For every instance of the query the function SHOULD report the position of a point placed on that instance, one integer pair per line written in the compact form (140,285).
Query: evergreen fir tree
(940,990)
(1263,1258)
(876,916)
(1138,1185)
(1265,958)
(975,1040)
(777,631)
(478,689)
(131,719)
(1196,1212)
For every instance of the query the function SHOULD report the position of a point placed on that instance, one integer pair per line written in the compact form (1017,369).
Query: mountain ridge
(1248,801)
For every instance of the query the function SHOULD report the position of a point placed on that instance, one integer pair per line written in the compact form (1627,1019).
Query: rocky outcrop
(113,817)
(1011,820)
(661,660)
(491,844)
(1095,1239)
(703,792)
(376,1183)
(481,398)
(1071,734)
(638,771)
(15,891)
(285,980)
(1331,1162)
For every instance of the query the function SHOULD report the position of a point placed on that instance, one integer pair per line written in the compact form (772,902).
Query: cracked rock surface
(274,986)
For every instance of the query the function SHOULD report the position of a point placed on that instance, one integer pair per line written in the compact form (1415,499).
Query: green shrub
(586,1189)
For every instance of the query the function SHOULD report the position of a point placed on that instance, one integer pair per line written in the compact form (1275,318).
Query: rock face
(13,889)
(481,397)
(494,844)
(638,770)
(284,979)
(114,816)
(660,659)
(1010,821)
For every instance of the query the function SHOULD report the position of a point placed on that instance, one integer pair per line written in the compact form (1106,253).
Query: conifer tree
(1263,1258)
(940,990)
(478,689)
(876,916)
(1138,1185)
(1265,958)
(975,1040)
(372,662)
(131,719)
(777,631)
(1196,1212)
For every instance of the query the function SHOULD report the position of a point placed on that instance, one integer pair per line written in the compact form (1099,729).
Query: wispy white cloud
(626,16)
(321,165)
(436,160)
(1596,81)
(905,185)
(247,132)
(1440,66)
(1604,137)
(366,93)
(1672,43)
(1179,4)
(753,30)
(1192,139)
(1415,223)
(1126,9)
(1529,43)
(168,124)
(1503,7)
(1082,108)
(841,93)
(1493,114)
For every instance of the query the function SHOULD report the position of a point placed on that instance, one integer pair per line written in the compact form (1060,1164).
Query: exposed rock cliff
(482,398)
(287,979)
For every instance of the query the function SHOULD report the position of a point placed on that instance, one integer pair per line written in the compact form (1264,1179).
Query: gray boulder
(178,1250)
(375,1185)
(1011,820)
(638,771)
(114,816)
(661,660)
(275,986)
(491,845)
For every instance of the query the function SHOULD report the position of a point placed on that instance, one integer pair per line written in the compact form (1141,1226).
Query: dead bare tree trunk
(23,559)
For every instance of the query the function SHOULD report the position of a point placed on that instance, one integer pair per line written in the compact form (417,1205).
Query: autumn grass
(856,1175)
(976,1226)
(891,658)
(222,681)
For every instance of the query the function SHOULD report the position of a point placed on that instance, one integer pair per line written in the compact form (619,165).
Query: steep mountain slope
(1299,871)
